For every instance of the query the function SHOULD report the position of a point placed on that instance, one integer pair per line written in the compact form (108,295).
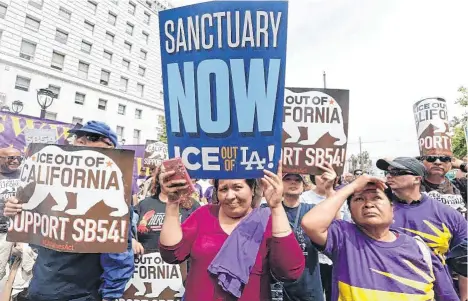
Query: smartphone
(181,173)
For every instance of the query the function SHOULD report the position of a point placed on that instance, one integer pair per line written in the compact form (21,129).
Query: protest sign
(14,126)
(223,65)
(75,199)
(46,136)
(315,129)
(155,153)
(432,126)
(154,280)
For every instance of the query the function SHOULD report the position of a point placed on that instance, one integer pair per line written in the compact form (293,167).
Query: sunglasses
(358,174)
(93,138)
(432,159)
(399,172)
(13,158)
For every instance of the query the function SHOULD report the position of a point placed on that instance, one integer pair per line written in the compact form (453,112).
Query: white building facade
(102,58)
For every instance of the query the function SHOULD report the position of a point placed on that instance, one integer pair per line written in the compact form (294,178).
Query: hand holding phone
(177,183)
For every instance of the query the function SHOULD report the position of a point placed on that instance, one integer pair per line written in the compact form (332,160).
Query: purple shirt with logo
(365,269)
(439,225)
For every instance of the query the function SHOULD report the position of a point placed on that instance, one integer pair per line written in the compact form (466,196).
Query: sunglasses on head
(13,158)
(399,172)
(93,138)
(432,159)
(358,174)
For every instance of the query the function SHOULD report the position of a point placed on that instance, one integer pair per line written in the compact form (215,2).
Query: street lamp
(45,98)
(17,106)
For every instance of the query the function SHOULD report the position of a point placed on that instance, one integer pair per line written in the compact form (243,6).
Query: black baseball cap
(403,163)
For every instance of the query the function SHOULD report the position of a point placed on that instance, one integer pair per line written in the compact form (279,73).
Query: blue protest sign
(223,66)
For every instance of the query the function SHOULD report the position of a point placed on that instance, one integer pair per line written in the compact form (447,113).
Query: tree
(355,162)
(162,129)
(459,147)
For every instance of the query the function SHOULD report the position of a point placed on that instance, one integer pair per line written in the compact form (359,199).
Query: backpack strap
(426,251)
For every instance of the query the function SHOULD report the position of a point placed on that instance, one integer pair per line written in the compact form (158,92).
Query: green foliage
(459,147)
(355,162)
(163,132)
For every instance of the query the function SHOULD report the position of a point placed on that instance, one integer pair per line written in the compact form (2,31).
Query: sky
(389,54)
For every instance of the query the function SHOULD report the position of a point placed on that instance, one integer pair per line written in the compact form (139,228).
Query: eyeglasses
(432,159)
(358,174)
(93,138)
(399,172)
(13,158)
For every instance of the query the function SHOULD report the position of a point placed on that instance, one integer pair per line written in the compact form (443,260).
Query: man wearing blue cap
(59,276)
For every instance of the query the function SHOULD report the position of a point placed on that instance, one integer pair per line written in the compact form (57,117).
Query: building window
(65,14)
(120,132)
(79,98)
(141,71)
(126,64)
(50,116)
(61,36)
(86,46)
(22,83)
(121,109)
(28,49)
(76,120)
(105,75)
(55,89)
(128,46)
(3,10)
(131,8)
(107,55)
(146,37)
(89,27)
(138,113)
(112,18)
(123,83)
(129,28)
(147,18)
(102,104)
(57,60)
(143,54)
(136,136)
(140,89)
(83,69)
(93,6)
(36,3)
(32,23)
(110,37)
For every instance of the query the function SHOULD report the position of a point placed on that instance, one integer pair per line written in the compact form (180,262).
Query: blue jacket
(59,276)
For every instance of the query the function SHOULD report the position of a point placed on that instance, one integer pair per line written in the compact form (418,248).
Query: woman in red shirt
(203,234)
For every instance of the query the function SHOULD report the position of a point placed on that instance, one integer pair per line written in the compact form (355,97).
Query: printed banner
(432,126)
(46,136)
(315,129)
(75,199)
(154,280)
(13,128)
(155,153)
(223,65)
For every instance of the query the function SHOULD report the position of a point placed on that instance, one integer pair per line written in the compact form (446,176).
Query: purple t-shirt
(365,269)
(441,226)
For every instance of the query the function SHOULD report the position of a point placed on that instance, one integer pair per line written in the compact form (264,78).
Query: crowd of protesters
(322,237)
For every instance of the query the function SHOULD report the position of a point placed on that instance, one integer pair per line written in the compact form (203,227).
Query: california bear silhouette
(157,285)
(86,198)
(315,130)
(440,125)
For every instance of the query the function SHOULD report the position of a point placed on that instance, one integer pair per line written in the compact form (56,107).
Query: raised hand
(172,188)
(328,176)
(272,185)
(361,182)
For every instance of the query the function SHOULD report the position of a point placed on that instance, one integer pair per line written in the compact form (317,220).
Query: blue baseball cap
(99,128)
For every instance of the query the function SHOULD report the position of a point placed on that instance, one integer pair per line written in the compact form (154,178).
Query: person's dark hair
(252,183)
(388,194)
(312,179)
